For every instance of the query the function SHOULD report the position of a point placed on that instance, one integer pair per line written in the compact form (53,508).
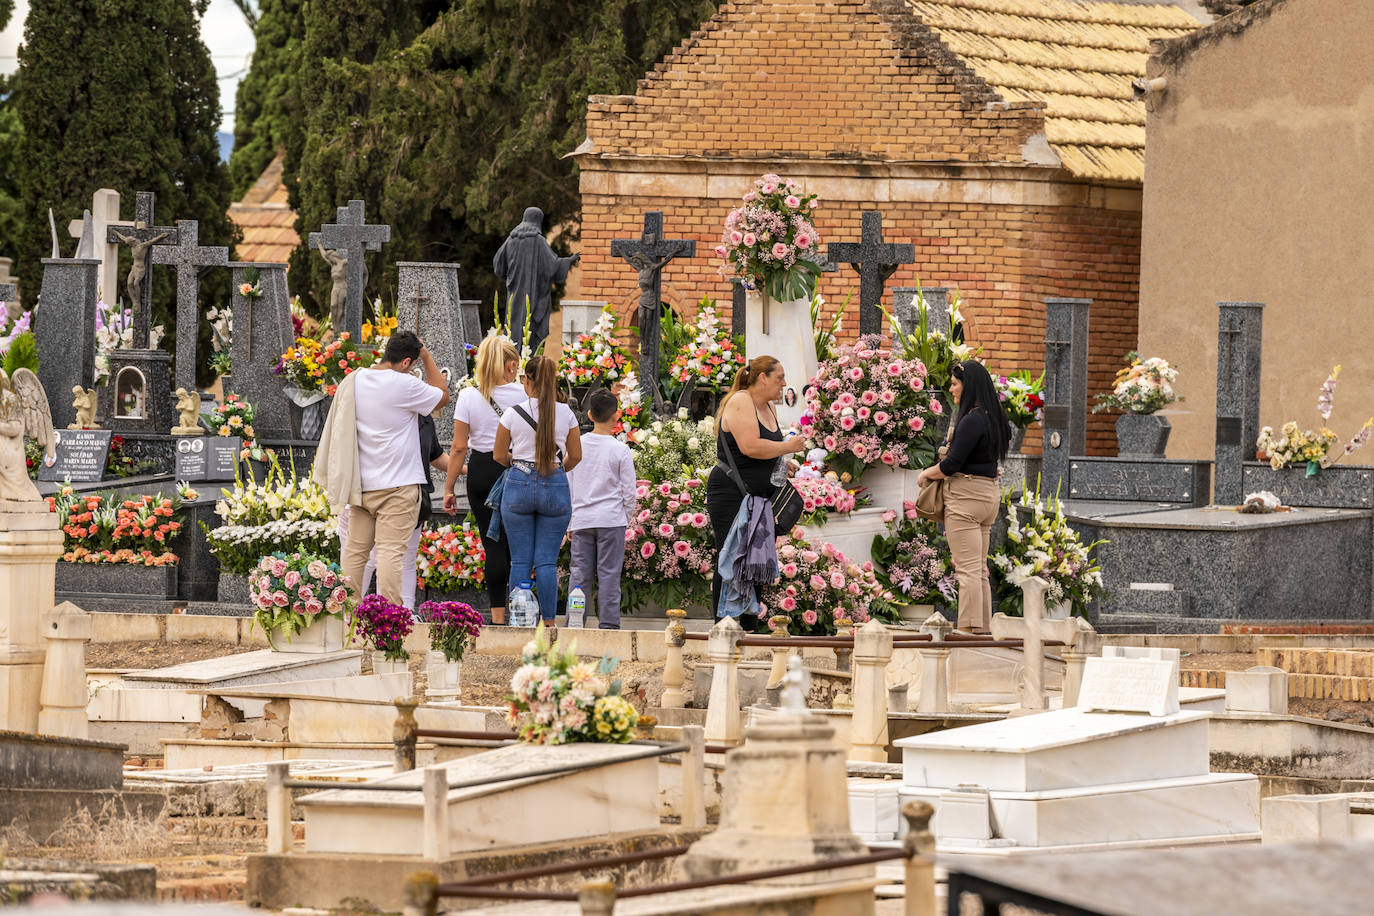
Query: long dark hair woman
(747,431)
(972,495)
(539,440)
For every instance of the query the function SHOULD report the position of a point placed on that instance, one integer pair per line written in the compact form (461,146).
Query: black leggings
(723,500)
(482,474)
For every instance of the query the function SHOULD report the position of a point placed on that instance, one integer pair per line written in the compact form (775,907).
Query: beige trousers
(971,505)
(385,519)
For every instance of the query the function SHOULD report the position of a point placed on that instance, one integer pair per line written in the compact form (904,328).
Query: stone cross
(262,333)
(188,258)
(875,260)
(1239,327)
(431,307)
(104,214)
(906,313)
(144,212)
(648,254)
(1066,389)
(354,236)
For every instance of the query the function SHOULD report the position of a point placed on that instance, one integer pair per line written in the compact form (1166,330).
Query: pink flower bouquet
(771,240)
(290,591)
(668,549)
(822,496)
(817,584)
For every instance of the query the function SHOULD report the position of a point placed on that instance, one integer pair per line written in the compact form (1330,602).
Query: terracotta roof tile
(268,224)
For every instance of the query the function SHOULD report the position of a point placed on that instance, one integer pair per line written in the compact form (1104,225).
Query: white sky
(223,29)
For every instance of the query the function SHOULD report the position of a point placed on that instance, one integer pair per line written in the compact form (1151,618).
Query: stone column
(918,883)
(64,330)
(934,696)
(674,637)
(722,710)
(1239,329)
(278,808)
(63,713)
(693,813)
(868,728)
(1066,390)
(30,543)
(436,833)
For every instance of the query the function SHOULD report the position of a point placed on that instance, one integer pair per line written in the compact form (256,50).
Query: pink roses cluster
(817,584)
(866,406)
(772,239)
(290,590)
(821,496)
(669,542)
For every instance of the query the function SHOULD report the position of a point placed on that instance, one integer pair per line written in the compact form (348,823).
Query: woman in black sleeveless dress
(747,430)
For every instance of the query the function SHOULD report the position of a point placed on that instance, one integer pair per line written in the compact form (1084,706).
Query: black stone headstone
(353,235)
(1239,330)
(64,330)
(80,456)
(188,258)
(648,254)
(262,333)
(145,212)
(1066,389)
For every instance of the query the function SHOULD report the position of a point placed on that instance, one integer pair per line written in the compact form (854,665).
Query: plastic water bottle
(577,608)
(524,609)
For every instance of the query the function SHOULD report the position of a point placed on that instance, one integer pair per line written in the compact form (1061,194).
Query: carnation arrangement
(1047,547)
(136,531)
(1144,386)
(281,513)
(912,560)
(713,357)
(817,585)
(867,407)
(453,627)
(669,552)
(234,417)
(633,416)
(771,241)
(596,356)
(671,449)
(311,366)
(1022,397)
(556,699)
(451,558)
(1296,446)
(290,591)
(384,626)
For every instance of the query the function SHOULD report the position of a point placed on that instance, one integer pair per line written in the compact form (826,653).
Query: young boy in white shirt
(603,505)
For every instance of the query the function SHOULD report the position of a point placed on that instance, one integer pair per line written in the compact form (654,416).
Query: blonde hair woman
(475,419)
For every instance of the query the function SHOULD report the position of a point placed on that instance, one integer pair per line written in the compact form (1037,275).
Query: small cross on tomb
(188,258)
(354,236)
(140,237)
(649,254)
(1057,376)
(1234,335)
(875,260)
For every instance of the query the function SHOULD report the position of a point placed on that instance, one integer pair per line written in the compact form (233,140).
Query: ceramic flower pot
(380,665)
(308,422)
(1141,435)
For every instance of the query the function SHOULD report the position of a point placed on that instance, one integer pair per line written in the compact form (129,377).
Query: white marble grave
(248,669)
(614,797)
(851,534)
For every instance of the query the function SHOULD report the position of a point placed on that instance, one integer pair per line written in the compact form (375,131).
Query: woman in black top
(972,495)
(747,429)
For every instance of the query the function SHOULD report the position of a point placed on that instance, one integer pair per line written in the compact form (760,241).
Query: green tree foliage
(267,112)
(450,118)
(120,94)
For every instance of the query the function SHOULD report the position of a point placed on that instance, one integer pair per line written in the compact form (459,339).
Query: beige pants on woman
(971,505)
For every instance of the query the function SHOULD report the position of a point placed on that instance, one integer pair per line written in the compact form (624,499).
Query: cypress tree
(121,94)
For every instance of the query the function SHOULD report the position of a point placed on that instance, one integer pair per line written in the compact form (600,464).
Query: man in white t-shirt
(388,402)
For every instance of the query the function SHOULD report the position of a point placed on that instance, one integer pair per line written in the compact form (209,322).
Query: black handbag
(786,502)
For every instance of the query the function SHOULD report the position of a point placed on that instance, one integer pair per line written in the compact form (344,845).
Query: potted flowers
(710,361)
(556,699)
(451,561)
(1042,544)
(818,584)
(596,356)
(1023,401)
(912,561)
(300,600)
(234,417)
(313,370)
(384,627)
(1143,387)
(770,240)
(115,545)
(453,629)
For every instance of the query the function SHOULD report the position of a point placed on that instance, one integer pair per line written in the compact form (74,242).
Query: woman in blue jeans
(539,441)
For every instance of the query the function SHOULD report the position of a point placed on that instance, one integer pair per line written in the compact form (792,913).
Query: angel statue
(84,400)
(188,406)
(23,411)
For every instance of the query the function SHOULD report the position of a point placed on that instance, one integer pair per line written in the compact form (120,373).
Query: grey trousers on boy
(598,556)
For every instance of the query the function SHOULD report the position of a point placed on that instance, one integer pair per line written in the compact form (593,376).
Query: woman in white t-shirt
(476,416)
(539,441)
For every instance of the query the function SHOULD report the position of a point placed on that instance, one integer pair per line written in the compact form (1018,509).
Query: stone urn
(1141,435)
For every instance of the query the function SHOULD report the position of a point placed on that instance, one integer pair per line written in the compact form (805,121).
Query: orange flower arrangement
(107,529)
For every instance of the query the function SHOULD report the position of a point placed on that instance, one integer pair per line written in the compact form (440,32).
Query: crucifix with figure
(648,254)
(353,236)
(876,261)
(188,258)
(141,238)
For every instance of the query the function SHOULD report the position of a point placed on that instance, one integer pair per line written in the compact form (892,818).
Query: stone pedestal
(30,543)
(67,629)
(138,395)
(784,802)
(783,330)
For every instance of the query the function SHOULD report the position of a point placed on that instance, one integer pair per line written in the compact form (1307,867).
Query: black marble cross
(648,254)
(144,230)
(354,236)
(188,258)
(1240,328)
(875,260)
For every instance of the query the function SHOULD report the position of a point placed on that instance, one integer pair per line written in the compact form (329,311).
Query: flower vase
(1141,435)
(325,634)
(380,664)
(915,613)
(889,488)
(1016,439)
(1060,611)
(444,676)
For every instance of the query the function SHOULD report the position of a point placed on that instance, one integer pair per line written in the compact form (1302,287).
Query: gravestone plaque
(140,237)
(431,307)
(262,333)
(875,261)
(649,254)
(1239,331)
(472,321)
(188,258)
(80,457)
(1148,685)
(1066,389)
(207,457)
(64,330)
(1126,480)
(354,236)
